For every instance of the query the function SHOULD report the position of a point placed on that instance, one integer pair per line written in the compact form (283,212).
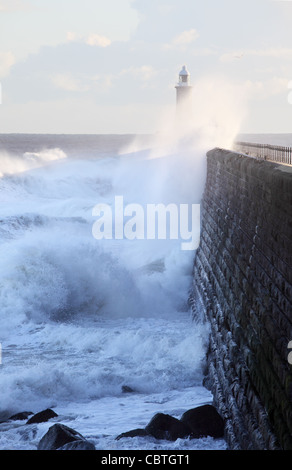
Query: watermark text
(152,221)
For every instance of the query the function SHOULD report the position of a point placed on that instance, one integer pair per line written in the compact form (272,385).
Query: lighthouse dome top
(184,77)
(184,71)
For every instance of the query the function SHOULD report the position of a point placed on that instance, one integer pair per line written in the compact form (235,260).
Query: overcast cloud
(110,67)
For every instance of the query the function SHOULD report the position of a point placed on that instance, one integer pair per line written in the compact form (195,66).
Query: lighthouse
(183,96)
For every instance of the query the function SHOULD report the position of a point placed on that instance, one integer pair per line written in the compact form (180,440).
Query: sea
(98,329)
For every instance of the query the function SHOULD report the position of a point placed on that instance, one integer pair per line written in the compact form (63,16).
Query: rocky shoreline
(195,423)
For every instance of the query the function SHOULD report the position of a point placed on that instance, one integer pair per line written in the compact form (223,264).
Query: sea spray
(80,318)
(28,160)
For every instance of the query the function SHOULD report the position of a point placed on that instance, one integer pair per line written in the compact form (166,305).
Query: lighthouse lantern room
(183,95)
(184,77)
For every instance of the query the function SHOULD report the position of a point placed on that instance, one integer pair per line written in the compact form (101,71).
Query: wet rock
(58,436)
(127,389)
(133,433)
(194,423)
(20,416)
(204,421)
(163,426)
(42,416)
(78,445)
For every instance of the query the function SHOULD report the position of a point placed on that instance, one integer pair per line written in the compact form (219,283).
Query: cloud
(183,39)
(72,37)
(165,9)
(91,40)
(262,89)
(283,53)
(7,59)
(14,5)
(68,83)
(144,73)
(98,40)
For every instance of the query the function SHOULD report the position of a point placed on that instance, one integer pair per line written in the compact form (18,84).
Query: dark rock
(78,445)
(163,426)
(204,421)
(42,416)
(127,389)
(20,416)
(57,436)
(133,433)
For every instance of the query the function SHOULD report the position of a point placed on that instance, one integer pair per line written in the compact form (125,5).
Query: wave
(12,164)
(81,317)
(85,363)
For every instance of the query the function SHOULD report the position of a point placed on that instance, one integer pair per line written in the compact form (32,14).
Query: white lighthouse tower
(183,96)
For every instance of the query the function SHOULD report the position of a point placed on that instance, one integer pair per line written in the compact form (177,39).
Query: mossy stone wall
(243,287)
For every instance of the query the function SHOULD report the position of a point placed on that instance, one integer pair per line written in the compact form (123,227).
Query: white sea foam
(80,317)
(28,161)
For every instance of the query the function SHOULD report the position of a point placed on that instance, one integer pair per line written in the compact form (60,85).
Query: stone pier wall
(243,287)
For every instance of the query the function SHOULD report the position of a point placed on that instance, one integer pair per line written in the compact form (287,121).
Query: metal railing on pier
(275,153)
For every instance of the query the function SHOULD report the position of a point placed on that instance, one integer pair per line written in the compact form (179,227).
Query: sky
(93,66)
